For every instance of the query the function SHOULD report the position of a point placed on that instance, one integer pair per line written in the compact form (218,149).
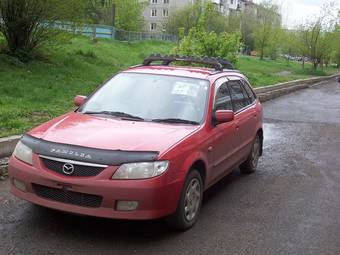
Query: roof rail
(217,63)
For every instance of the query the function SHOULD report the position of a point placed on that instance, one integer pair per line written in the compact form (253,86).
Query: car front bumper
(156,197)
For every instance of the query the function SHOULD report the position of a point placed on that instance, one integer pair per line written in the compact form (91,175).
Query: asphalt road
(290,206)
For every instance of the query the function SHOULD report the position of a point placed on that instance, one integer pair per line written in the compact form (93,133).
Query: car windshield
(148,97)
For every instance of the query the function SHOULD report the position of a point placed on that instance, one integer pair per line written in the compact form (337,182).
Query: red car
(145,145)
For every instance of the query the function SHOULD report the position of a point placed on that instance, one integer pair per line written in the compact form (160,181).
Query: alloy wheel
(192,199)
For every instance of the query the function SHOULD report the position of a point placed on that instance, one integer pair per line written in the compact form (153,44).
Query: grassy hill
(33,93)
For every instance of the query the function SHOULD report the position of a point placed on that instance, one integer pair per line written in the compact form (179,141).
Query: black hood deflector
(86,154)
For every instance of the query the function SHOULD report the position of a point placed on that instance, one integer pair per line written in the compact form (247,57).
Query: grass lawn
(268,72)
(33,93)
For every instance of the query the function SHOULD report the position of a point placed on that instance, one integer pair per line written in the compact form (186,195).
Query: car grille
(68,197)
(79,170)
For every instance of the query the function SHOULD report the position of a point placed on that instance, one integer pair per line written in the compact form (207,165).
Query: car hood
(111,133)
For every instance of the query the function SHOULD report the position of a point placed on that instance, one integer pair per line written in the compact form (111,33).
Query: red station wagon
(145,145)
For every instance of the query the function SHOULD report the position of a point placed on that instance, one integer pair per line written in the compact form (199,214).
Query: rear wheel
(250,165)
(190,203)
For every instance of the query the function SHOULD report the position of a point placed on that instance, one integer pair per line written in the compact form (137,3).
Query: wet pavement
(290,205)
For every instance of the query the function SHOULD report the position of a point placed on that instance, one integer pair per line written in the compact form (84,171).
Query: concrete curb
(8,144)
(273,91)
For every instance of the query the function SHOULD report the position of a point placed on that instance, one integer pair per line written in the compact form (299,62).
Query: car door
(245,118)
(224,134)
(252,107)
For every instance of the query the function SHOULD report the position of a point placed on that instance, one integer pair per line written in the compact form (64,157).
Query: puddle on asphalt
(271,132)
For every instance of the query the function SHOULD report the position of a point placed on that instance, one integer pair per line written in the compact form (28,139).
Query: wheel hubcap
(192,199)
(256,152)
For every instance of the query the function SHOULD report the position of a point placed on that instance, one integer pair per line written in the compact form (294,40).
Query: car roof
(184,71)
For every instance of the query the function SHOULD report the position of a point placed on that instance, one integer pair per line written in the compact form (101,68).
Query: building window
(231,1)
(153,26)
(166,1)
(154,1)
(153,13)
(165,12)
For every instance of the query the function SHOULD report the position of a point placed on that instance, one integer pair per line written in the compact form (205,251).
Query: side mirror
(224,116)
(79,100)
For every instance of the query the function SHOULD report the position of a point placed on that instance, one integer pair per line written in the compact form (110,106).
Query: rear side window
(250,93)
(223,98)
(239,100)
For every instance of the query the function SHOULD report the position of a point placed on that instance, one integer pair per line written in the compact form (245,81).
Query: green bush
(210,44)
(28,24)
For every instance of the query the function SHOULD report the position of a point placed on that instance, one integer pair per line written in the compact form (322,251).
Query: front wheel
(189,204)
(250,165)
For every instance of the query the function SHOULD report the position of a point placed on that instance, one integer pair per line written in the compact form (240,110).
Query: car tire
(190,203)
(250,165)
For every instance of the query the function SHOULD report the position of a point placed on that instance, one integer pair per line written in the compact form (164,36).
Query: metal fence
(103,31)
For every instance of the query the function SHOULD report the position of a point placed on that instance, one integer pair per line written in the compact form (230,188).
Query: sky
(298,11)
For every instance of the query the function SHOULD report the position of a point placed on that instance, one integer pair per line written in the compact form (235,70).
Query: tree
(248,23)
(189,17)
(99,11)
(289,44)
(267,28)
(129,14)
(26,24)
(315,42)
(184,18)
(335,41)
(202,42)
(335,54)
(316,37)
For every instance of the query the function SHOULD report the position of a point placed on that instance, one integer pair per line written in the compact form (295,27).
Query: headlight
(141,170)
(23,152)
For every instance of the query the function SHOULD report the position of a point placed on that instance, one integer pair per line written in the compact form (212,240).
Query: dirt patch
(284,73)
(36,116)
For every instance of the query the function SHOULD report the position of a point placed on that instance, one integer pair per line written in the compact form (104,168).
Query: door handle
(237,125)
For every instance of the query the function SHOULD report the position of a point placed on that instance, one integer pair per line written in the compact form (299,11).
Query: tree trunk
(303,63)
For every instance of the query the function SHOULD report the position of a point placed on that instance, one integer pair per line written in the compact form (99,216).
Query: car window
(151,97)
(239,100)
(250,93)
(223,98)
(246,95)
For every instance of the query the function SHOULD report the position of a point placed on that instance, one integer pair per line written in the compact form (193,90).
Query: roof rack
(217,63)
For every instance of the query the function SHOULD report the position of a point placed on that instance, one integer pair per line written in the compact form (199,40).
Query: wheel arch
(200,166)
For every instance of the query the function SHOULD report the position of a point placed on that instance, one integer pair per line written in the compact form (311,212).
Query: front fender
(190,161)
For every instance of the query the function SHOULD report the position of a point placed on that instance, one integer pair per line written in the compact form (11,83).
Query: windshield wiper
(174,120)
(122,115)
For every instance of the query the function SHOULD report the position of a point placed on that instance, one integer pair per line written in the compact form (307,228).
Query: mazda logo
(68,169)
